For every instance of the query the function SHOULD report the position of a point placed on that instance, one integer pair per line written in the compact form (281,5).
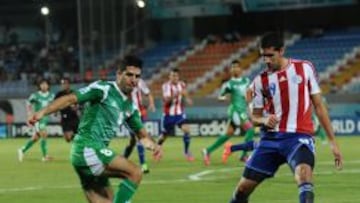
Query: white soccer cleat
(20,155)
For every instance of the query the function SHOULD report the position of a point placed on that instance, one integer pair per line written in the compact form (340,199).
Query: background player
(174,91)
(290,87)
(236,87)
(35,102)
(69,115)
(108,105)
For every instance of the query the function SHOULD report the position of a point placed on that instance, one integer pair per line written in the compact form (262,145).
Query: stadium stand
(202,61)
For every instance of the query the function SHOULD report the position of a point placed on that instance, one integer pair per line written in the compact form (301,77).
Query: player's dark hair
(175,70)
(235,62)
(65,79)
(130,60)
(272,39)
(42,81)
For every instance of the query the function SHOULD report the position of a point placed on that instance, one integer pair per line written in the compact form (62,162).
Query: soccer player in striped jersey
(35,102)
(236,88)
(174,91)
(291,89)
(108,104)
(137,97)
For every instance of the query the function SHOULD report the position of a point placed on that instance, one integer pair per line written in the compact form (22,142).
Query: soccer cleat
(189,157)
(226,152)
(145,168)
(47,158)
(20,155)
(206,157)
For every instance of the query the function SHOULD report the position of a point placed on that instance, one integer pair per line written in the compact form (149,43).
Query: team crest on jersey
(269,91)
(272,88)
(297,79)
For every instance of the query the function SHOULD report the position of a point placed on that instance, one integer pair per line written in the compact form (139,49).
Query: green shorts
(237,119)
(89,162)
(41,125)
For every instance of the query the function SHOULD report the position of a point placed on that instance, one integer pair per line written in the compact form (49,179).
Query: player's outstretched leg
(249,136)
(229,148)
(21,151)
(186,140)
(207,151)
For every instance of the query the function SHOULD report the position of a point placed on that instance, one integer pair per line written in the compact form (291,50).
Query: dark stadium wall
(292,20)
(295,20)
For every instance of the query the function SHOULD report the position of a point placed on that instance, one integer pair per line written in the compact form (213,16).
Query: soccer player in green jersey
(107,105)
(236,87)
(35,102)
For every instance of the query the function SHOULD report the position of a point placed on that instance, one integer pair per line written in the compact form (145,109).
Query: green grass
(55,182)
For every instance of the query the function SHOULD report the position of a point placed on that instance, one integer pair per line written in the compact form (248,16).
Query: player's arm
(146,91)
(135,124)
(259,119)
(151,102)
(92,92)
(257,116)
(187,97)
(323,116)
(223,92)
(54,106)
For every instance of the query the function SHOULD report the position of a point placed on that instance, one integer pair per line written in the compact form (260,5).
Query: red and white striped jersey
(136,96)
(175,106)
(287,92)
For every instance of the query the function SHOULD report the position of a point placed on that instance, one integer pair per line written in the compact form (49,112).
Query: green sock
(220,141)
(43,145)
(126,190)
(28,145)
(249,135)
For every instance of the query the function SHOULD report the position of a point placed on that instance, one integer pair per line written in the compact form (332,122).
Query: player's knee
(135,175)
(245,188)
(303,173)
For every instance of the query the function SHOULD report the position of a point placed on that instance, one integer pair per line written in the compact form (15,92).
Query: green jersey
(39,100)
(106,108)
(236,87)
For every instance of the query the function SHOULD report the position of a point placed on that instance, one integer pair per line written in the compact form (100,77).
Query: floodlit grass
(170,180)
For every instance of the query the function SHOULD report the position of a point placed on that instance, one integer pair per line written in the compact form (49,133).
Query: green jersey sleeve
(93,92)
(31,99)
(134,121)
(225,88)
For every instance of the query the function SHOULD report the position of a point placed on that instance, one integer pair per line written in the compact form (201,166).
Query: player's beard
(125,88)
(273,67)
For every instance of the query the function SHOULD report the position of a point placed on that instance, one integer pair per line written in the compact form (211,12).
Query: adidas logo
(282,79)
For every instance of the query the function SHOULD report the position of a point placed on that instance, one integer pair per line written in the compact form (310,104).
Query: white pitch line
(200,176)
(197,176)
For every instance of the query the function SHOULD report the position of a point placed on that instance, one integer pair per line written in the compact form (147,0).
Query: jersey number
(106,152)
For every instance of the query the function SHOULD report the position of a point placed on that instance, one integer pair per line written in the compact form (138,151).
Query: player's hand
(157,152)
(337,155)
(33,118)
(271,121)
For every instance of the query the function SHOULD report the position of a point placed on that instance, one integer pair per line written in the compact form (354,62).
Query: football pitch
(173,179)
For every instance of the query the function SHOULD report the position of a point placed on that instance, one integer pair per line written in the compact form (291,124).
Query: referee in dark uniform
(69,115)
